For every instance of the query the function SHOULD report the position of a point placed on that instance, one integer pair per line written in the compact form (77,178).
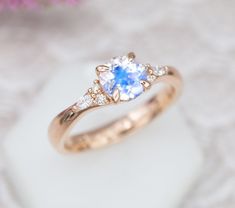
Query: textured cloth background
(196,36)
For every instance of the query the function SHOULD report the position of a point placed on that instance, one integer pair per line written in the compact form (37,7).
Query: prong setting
(149,69)
(101,68)
(123,78)
(146,85)
(116,95)
(131,56)
(96,81)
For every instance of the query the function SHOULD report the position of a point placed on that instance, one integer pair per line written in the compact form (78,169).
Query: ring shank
(61,126)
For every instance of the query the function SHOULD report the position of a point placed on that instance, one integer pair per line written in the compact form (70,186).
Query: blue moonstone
(125,76)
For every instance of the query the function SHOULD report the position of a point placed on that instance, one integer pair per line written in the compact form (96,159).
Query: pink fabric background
(30,4)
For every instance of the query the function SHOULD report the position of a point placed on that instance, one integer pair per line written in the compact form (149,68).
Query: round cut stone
(124,75)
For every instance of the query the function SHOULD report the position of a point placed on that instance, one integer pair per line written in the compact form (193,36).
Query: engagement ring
(121,80)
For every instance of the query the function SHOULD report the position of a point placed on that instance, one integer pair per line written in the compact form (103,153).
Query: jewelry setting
(120,80)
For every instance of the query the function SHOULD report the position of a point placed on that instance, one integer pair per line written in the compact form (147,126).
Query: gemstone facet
(124,75)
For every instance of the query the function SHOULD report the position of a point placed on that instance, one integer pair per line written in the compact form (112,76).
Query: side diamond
(151,78)
(101,99)
(160,70)
(96,88)
(85,101)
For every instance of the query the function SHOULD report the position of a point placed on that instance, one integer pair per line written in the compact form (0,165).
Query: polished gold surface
(60,128)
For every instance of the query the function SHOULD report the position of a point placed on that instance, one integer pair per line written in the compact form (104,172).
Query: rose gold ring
(120,80)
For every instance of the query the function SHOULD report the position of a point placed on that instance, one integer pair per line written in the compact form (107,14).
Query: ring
(121,80)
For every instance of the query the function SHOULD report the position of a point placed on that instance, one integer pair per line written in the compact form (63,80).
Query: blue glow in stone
(126,78)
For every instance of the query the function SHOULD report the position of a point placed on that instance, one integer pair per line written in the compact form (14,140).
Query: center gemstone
(125,76)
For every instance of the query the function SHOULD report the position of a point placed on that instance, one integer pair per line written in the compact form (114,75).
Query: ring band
(121,80)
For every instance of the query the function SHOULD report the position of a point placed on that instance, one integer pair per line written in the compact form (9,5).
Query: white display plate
(153,168)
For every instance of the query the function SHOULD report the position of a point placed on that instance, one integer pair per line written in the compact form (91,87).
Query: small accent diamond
(84,101)
(95,88)
(159,70)
(101,99)
(151,78)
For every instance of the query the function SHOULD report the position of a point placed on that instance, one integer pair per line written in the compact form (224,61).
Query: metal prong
(149,68)
(96,86)
(116,95)
(101,68)
(93,95)
(89,90)
(131,56)
(145,84)
(96,81)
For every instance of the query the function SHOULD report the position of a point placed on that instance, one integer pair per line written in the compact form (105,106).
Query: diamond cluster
(156,71)
(93,97)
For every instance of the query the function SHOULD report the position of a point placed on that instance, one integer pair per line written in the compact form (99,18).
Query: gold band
(113,132)
(62,124)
